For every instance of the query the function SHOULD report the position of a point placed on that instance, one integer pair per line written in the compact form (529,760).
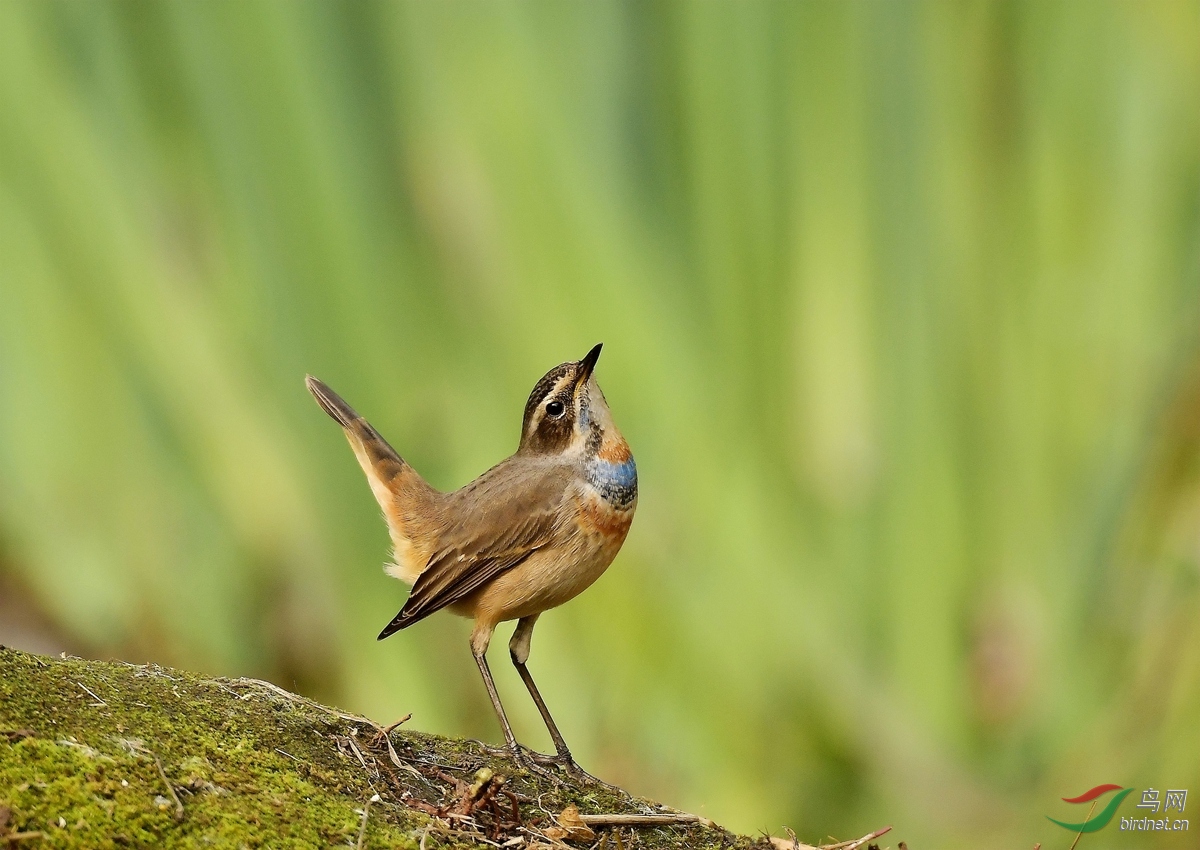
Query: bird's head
(566,412)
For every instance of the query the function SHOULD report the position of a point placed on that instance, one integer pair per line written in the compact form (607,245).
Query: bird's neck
(612,470)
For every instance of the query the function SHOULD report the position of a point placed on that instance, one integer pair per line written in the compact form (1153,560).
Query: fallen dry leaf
(575,828)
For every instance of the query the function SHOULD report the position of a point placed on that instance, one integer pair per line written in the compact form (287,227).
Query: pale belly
(553,575)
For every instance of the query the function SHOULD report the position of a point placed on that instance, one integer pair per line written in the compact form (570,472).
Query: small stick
(289,755)
(542,838)
(296,698)
(92,694)
(1085,820)
(361,760)
(641,820)
(442,766)
(474,836)
(170,790)
(856,843)
(393,756)
(229,690)
(516,811)
(387,729)
(354,718)
(362,829)
(21,836)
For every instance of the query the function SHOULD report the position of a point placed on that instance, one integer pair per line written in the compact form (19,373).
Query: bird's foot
(524,758)
(533,762)
(495,752)
(538,763)
(567,764)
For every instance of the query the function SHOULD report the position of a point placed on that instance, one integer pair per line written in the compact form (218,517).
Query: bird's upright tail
(331,402)
(405,497)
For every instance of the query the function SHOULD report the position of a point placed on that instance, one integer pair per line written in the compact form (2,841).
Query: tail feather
(331,402)
(378,459)
(400,491)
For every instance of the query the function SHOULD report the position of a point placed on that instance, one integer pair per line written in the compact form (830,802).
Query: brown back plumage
(485,535)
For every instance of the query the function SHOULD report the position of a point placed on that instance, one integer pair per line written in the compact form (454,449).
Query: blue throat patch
(616,482)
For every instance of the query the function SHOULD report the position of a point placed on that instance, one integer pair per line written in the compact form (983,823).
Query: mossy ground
(82,744)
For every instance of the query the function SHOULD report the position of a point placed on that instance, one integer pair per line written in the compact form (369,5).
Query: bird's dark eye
(555,408)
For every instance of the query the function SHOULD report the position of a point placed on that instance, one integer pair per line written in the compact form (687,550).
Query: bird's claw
(567,764)
(537,763)
(531,761)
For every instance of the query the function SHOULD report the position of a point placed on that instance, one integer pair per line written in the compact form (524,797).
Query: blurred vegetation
(899,310)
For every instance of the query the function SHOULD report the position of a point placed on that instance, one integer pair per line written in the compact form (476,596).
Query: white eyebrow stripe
(539,412)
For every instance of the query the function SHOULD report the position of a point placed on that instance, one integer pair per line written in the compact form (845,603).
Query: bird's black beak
(587,364)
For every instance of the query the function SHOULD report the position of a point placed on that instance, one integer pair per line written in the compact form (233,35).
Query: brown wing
(499,520)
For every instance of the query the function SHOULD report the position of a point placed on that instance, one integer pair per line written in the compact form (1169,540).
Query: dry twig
(14,837)
(170,789)
(793,843)
(92,694)
(362,829)
(296,698)
(393,756)
(1085,820)
(349,740)
(858,842)
(643,820)
(387,730)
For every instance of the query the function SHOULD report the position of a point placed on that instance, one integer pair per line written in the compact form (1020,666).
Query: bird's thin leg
(479,645)
(518,650)
(560,746)
(509,738)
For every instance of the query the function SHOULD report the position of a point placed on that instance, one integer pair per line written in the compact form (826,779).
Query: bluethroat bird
(527,535)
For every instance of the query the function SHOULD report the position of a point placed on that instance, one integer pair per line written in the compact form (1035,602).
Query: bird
(527,535)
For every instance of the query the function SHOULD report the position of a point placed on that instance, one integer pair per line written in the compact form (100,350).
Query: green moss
(252,767)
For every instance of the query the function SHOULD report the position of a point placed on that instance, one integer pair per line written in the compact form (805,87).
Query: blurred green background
(899,304)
